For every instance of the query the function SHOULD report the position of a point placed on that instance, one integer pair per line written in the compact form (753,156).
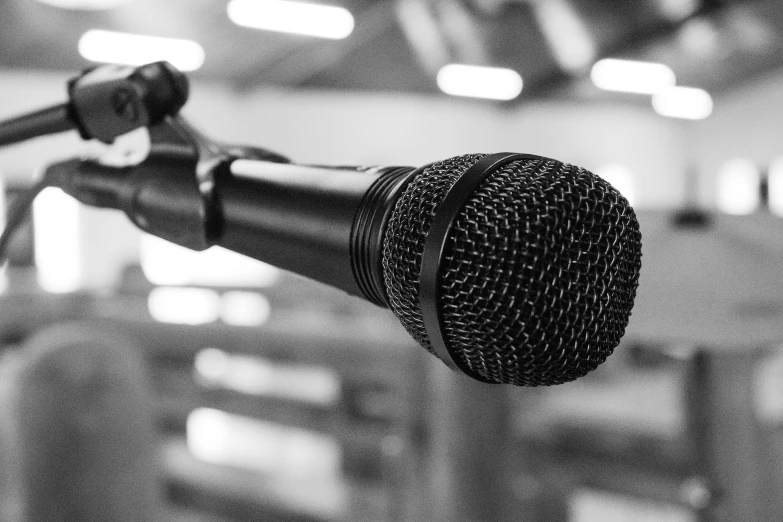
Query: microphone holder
(105,102)
(175,184)
(172,192)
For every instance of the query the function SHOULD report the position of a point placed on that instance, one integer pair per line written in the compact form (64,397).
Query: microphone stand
(105,102)
(181,205)
(108,101)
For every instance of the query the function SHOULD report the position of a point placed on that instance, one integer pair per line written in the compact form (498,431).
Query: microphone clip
(105,102)
(111,100)
(173,193)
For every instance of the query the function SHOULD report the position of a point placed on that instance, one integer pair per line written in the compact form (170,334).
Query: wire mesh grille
(539,273)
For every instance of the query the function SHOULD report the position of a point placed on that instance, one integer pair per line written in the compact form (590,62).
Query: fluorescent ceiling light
(631,76)
(85,5)
(135,49)
(325,21)
(683,102)
(479,82)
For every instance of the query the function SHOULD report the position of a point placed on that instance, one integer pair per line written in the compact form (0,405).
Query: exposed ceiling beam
(307,60)
(559,81)
(459,26)
(423,33)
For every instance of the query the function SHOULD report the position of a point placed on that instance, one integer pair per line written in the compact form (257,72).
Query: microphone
(510,268)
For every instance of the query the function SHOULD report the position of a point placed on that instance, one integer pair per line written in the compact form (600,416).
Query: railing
(416,442)
(711,456)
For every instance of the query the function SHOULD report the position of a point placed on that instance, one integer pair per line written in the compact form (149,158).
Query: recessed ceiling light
(85,5)
(479,82)
(325,21)
(167,264)
(135,49)
(683,102)
(612,74)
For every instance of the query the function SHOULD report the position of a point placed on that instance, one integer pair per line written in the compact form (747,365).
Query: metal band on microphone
(434,247)
(367,232)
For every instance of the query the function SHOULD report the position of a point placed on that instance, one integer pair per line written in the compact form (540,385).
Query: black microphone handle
(324,223)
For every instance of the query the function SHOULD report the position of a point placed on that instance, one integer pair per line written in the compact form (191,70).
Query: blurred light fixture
(738,187)
(612,74)
(620,177)
(223,438)
(683,102)
(57,250)
(102,46)
(179,305)
(324,21)
(593,504)
(567,36)
(256,376)
(239,308)
(86,5)
(165,263)
(676,10)
(187,305)
(775,179)
(3,212)
(479,82)
(699,36)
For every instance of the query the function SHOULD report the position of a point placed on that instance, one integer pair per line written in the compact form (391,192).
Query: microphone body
(510,268)
(314,221)
(324,223)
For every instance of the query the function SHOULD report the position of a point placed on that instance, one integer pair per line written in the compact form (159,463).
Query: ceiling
(398,45)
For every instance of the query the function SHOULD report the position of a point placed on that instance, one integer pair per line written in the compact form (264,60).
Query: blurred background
(143,381)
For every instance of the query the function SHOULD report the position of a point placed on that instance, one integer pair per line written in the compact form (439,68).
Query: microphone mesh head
(539,272)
